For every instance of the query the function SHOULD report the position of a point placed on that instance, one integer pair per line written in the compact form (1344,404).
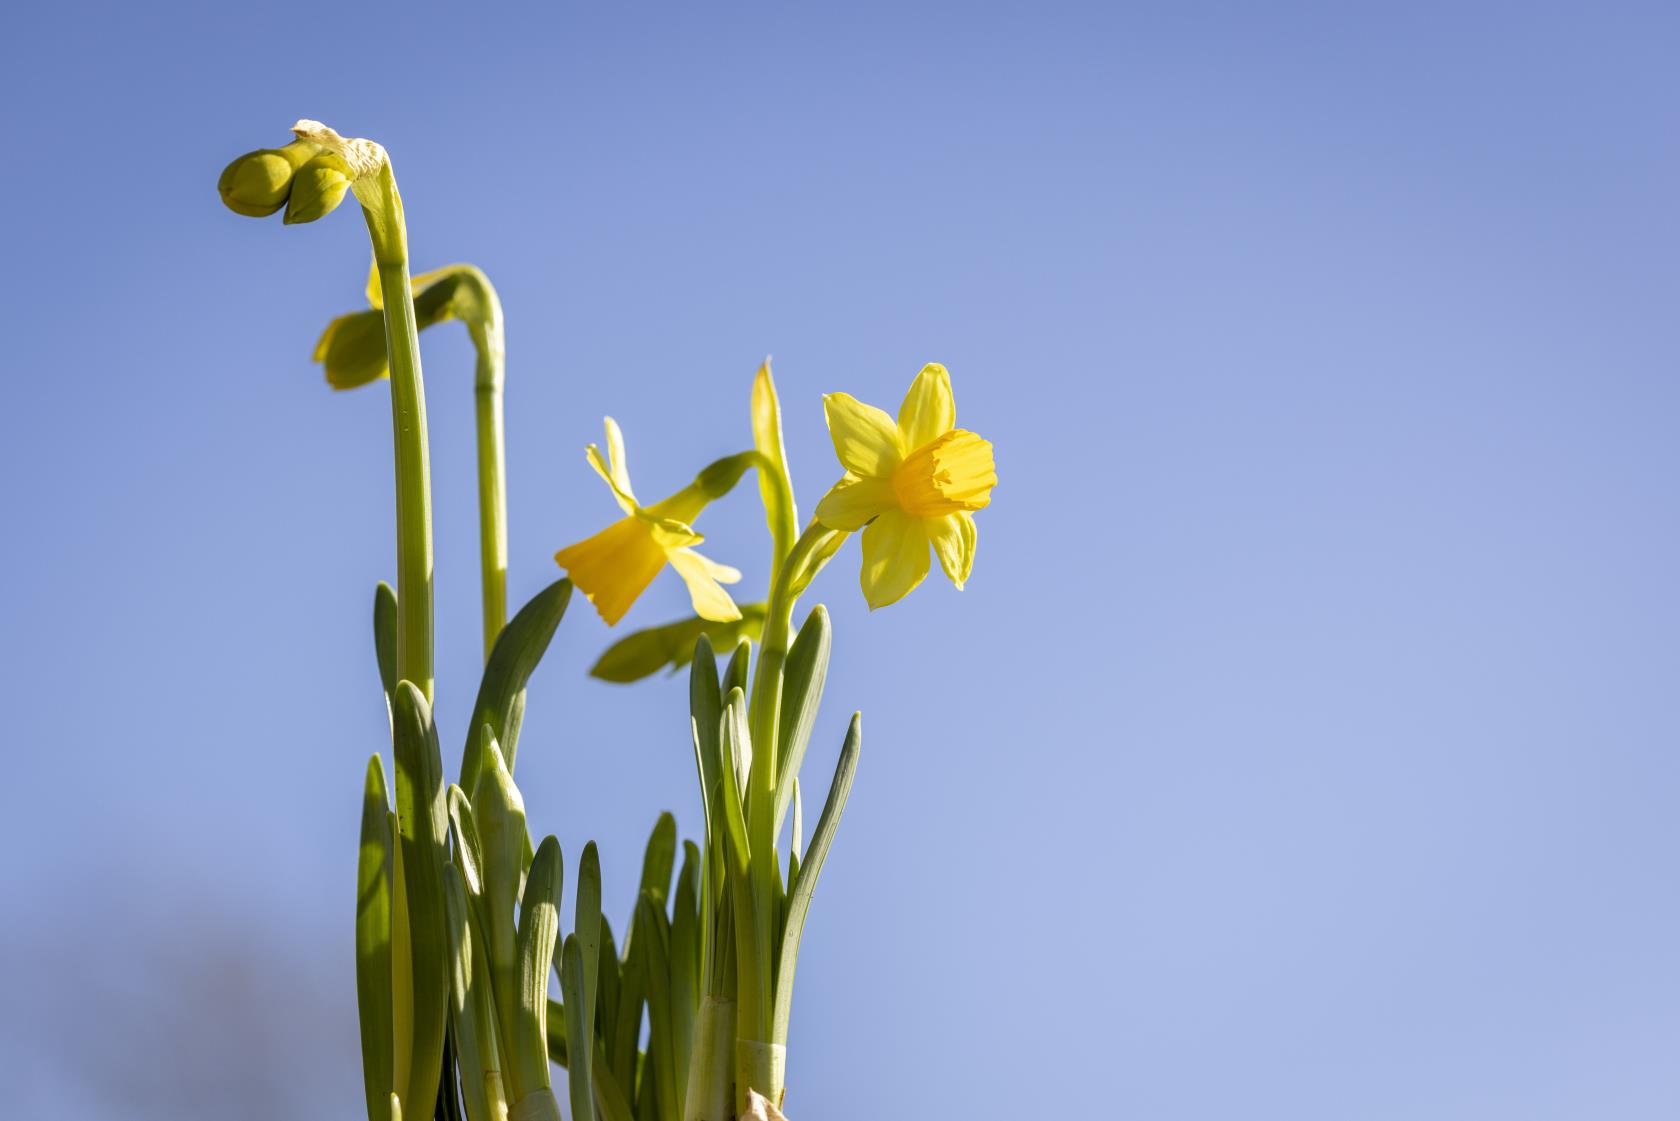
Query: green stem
(492,473)
(808,555)
(414,499)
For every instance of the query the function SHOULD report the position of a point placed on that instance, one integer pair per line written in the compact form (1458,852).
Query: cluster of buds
(303,177)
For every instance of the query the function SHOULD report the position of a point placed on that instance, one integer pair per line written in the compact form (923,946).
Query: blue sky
(1304,745)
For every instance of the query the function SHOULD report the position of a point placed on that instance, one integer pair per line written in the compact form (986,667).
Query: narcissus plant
(475,977)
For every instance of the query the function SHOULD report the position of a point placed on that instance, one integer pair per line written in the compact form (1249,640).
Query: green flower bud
(257,183)
(318,188)
(352,348)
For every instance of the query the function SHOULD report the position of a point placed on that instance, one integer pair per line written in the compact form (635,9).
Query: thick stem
(809,554)
(711,1094)
(492,474)
(414,497)
(761,1067)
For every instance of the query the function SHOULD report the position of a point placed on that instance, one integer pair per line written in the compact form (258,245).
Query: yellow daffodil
(613,567)
(907,485)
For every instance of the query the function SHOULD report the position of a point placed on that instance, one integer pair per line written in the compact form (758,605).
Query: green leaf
(587,937)
(799,898)
(575,986)
(735,674)
(803,677)
(539,926)
(685,964)
(627,1028)
(469,852)
(646,652)
(652,926)
(385,646)
(607,982)
(373,941)
(422,826)
(705,706)
(500,813)
(473,1034)
(658,860)
(736,749)
(501,693)
(774,485)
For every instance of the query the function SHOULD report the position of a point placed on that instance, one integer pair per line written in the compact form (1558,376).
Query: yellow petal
(953,539)
(709,599)
(895,557)
(929,410)
(865,438)
(853,501)
(612,468)
(615,566)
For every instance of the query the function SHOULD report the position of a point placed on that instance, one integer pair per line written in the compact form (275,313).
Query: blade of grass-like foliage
(422,823)
(584,945)
(658,860)
(652,925)
(469,853)
(799,898)
(607,982)
(736,752)
(735,674)
(798,846)
(685,964)
(402,968)
(609,1097)
(574,986)
(385,650)
(803,677)
(646,652)
(501,693)
(559,1049)
(539,927)
(373,941)
(627,1021)
(473,1043)
(499,811)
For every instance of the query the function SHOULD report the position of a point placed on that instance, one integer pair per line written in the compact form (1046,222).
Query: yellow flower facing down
(909,485)
(616,565)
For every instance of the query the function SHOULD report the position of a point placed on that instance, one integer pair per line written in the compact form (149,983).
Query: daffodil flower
(908,485)
(616,565)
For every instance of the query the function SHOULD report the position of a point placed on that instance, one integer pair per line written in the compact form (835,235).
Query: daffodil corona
(616,565)
(908,486)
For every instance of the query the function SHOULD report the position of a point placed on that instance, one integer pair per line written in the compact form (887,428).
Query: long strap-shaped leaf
(799,898)
(581,955)
(422,825)
(803,678)
(474,1033)
(651,921)
(385,650)
(373,941)
(501,693)
(539,927)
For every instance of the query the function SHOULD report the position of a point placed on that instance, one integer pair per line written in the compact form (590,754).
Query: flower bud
(352,349)
(257,183)
(318,188)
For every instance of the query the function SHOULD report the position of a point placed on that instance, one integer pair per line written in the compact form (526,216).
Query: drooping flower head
(616,565)
(909,486)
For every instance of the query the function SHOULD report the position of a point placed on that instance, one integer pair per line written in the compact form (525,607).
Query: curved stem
(492,474)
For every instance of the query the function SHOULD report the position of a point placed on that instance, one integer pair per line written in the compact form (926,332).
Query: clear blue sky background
(1304,746)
